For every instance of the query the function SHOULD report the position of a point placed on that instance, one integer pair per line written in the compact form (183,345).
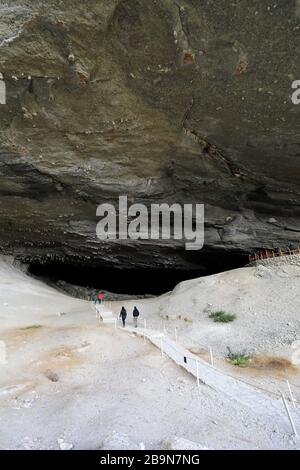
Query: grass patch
(31,327)
(222,317)
(240,359)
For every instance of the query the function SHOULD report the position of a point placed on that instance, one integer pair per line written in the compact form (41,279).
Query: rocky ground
(70,383)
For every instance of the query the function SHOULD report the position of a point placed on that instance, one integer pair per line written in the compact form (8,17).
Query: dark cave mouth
(130,281)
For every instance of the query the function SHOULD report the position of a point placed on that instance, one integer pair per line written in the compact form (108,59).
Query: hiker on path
(123,315)
(135,316)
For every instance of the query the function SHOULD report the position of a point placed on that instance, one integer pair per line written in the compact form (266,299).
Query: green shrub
(240,359)
(31,327)
(222,317)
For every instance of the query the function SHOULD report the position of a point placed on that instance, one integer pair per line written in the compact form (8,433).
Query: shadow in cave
(135,281)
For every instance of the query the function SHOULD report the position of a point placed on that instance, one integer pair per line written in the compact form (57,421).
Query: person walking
(136,314)
(123,315)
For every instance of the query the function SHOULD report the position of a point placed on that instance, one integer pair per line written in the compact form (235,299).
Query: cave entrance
(118,281)
(134,281)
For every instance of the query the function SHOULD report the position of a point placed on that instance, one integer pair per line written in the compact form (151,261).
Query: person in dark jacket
(123,315)
(136,314)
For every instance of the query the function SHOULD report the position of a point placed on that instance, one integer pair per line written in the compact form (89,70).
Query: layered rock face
(164,101)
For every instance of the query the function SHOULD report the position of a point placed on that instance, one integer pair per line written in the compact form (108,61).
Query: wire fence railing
(267,254)
(172,348)
(188,358)
(193,365)
(174,334)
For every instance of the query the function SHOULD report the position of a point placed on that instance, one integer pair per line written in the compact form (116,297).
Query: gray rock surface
(179,443)
(164,101)
(118,441)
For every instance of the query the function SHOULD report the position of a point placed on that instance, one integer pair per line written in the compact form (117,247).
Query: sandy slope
(265,301)
(70,381)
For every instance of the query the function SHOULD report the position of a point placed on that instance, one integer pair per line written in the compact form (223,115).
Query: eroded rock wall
(164,101)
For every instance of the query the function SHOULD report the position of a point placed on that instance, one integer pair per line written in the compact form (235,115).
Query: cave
(133,281)
(149,153)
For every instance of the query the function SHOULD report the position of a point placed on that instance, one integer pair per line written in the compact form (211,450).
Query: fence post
(211,356)
(161,347)
(291,394)
(289,415)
